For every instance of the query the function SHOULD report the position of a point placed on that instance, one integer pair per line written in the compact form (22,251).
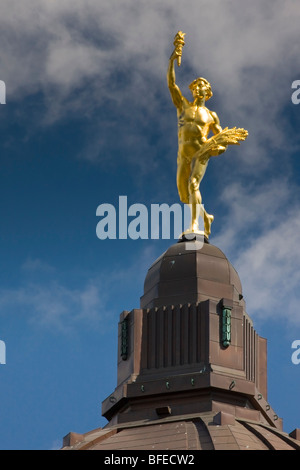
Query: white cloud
(45,301)
(262,239)
(253,208)
(56,306)
(33,265)
(105,62)
(247,50)
(269,270)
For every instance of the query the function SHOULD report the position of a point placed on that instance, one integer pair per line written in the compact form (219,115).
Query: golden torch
(179,43)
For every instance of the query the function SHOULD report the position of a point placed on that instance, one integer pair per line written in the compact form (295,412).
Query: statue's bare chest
(198,114)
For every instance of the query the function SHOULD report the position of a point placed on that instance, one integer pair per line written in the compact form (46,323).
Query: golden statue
(195,122)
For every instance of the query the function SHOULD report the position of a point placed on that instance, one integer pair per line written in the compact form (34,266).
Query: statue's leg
(183,173)
(197,174)
(195,202)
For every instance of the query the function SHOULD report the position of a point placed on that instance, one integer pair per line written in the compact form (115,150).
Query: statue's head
(201,84)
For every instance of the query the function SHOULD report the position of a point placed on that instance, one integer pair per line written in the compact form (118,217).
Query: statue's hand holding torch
(178,43)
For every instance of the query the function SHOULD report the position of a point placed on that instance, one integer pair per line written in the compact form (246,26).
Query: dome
(206,431)
(179,385)
(187,274)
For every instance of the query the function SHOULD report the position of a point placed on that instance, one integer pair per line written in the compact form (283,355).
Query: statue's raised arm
(171,78)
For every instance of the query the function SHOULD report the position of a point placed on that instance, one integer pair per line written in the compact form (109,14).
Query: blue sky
(88,117)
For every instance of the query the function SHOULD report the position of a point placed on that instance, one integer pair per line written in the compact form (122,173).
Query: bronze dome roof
(207,431)
(187,274)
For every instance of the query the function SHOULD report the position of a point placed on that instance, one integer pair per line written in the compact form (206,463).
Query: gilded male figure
(195,122)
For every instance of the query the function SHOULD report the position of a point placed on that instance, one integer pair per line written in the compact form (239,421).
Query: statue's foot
(194,227)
